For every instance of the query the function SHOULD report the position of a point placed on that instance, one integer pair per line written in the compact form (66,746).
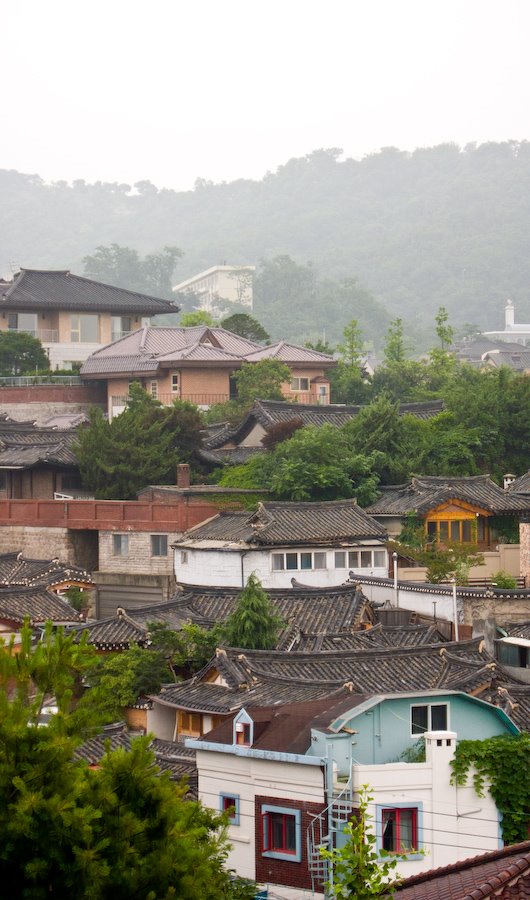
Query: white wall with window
(231,565)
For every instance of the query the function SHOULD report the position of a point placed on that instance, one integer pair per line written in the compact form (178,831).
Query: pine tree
(253,625)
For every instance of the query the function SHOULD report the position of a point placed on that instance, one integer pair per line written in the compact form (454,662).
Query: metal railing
(30,380)
(121,402)
(46,335)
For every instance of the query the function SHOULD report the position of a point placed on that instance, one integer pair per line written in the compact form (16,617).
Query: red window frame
(270,832)
(397,842)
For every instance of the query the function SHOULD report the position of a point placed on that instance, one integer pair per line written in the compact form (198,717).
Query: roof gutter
(254,753)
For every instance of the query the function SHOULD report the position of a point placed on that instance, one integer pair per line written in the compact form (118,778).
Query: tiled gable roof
(426,492)
(302,610)
(274,412)
(23,446)
(37,604)
(255,677)
(16,569)
(290,523)
(377,636)
(521,485)
(517,629)
(35,289)
(503,873)
(291,353)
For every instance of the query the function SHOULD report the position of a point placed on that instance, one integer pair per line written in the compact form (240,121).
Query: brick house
(196,364)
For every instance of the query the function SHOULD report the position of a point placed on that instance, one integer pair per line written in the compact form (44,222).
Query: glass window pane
(380,558)
(89,328)
(27,322)
(305,560)
(389,830)
(419,719)
(439,717)
(481,528)
(467,531)
(406,829)
(290,833)
(444,531)
(320,560)
(278,562)
(291,561)
(353,559)
(431,531)
(366,559)
(455,531)
(340,559)
(276,821)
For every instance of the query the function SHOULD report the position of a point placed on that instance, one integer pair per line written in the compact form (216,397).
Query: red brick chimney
(183,475)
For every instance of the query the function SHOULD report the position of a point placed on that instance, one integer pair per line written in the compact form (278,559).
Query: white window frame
(297,383)
(417,734)
(279,561)
(175,383)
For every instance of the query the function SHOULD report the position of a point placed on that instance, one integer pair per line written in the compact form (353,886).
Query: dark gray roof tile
(426,492)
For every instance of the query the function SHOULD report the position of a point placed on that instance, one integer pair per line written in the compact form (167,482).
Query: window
(190,724)
(428,717)
(229,803)
(184,557)
(159,545)
(399,829)
(300,384)
(458,531)
(243,735)
(515,655)
(303,560)
(154,389)
(281,833)
(175,382)
(120,544)
(3,481)
(120,326)
(22,322)
(84,328)
(367,559)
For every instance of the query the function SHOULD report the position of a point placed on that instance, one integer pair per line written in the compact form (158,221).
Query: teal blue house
(384,727)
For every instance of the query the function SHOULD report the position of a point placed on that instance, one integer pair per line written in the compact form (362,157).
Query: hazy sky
(170,90)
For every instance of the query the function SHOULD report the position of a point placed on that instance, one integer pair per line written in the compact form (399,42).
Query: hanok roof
(519,360)
(516,629)
(16,569)
(24,445)
(274,412)
(288,523)
(152,347)
(377,636)
(521,485)
(262,678)
(503,873)
(35,289)
(314,610)
(427,492)
(170,757)
(37,604)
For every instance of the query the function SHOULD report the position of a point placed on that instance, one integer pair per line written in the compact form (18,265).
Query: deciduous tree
(21,354)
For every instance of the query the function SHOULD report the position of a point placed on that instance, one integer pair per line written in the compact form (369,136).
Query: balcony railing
(116,335)
(307,397)
(120,402)
(45,335)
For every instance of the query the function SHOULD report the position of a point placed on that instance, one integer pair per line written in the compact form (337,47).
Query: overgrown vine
(503,762)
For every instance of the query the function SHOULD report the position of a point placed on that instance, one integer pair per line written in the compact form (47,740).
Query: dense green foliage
(437,226)
(314,464)
(253,381)
(246,326)
(185,651)
(357,868)
(121,831)
(141,446)
(21,354)
(119,679)
(253,624)
(503,763)
(197,317)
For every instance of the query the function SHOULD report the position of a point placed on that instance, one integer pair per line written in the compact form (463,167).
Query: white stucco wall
(454,824)
(231,567)
(249,777)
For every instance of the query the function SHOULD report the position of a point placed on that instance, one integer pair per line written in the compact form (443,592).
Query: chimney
(507,480)
(183,475)
(509,315)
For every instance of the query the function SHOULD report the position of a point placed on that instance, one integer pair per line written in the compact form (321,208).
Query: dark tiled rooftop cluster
(23,445)
(37,604)
(16,569)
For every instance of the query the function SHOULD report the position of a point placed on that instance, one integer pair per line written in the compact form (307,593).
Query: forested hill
(439,226)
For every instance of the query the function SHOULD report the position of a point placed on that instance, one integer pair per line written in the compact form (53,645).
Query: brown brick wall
(280,871)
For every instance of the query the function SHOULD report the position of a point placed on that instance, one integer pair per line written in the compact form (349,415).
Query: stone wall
(139,558)
(524,544)
(77,548)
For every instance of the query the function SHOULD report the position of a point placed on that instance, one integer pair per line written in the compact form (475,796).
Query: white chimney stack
(509,315)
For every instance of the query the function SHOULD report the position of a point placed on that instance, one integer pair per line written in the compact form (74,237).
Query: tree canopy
(21,354)
(253,625)
(124,267)
(121,830)
(140,446)
(246,326)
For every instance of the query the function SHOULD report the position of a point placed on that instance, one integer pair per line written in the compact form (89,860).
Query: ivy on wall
(504,763)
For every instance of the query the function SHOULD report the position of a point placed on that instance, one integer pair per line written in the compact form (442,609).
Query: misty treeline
(439,226)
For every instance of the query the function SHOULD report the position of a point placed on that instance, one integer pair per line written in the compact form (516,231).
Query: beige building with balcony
(73,316)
